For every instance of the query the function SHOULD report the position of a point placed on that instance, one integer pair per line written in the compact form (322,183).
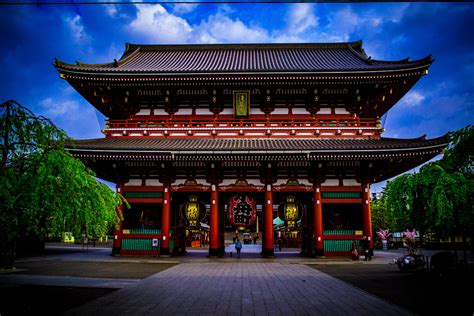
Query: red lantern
(242,210)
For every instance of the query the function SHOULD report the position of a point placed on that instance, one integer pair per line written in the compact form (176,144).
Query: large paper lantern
(242,210)
(194,211)
(290,211)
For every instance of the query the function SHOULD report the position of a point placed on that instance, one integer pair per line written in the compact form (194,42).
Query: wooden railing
(243,123)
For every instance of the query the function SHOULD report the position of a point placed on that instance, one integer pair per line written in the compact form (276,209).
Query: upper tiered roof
(321,58)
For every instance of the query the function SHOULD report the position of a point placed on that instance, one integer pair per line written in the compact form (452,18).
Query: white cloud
(76,27)
(301,17)
(111,10)
(343,24)
(156,25)
(222,29)
(412,99)
(184,8)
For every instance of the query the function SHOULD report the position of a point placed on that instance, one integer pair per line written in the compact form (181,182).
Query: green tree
(459,160)
(399,202)
(380,218)
(439,197)
(43,189)
(459,156)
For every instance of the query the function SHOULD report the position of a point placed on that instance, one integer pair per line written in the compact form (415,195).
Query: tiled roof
(273,146)
(243,58)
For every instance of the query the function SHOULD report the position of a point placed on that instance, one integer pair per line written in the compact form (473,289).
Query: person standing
(366,248)
(354,252)
(238,247)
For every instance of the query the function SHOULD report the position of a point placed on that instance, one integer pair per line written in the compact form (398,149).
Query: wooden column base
(215,252)
(268,253)
(164,252)
(116,251)
(319,252)
(222,250)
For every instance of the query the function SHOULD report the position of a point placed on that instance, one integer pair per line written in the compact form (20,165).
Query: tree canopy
(439,197)
(43,189)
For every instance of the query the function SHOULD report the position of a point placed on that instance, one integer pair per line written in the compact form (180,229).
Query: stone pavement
(22,279)
(239,288)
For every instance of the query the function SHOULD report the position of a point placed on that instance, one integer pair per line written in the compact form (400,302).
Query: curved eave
(147,75)
(433,146)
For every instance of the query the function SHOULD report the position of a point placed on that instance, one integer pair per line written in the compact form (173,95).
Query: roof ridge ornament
(360,54)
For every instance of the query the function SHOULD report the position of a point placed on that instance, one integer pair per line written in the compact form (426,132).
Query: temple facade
(222,137)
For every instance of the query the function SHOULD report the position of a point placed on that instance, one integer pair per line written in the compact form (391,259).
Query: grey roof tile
(271,145)
(232,58)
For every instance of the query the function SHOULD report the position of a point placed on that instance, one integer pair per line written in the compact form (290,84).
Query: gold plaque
(241,103)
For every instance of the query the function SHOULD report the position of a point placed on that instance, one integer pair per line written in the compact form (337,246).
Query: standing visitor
(366,248)
(354,252)
(238,247)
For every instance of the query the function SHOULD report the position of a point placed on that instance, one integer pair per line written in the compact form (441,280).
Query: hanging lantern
(290,211)
(242,210)
(194,211)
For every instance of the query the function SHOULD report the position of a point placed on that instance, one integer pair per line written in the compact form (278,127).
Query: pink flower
(384,234)
(409,234)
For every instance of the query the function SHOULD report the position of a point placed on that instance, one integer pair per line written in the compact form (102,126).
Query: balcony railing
(243,123)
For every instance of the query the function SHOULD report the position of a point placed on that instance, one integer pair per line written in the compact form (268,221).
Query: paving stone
(239,288)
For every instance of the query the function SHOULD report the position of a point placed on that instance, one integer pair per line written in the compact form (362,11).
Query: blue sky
(32,36)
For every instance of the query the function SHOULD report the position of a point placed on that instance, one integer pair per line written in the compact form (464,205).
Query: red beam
(293,188)
(243,188)
(191,188)
(143,188)
(353,188)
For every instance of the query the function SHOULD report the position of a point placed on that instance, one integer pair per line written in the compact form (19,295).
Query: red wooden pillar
(214,223)
(268,240)
(318,221)
(366,216)
(117,245)
(165,221)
